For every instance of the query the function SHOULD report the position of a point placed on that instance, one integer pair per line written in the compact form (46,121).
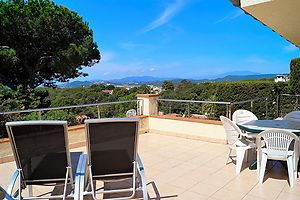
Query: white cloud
(290,48)
(152,69)
(166,15)
(230,16)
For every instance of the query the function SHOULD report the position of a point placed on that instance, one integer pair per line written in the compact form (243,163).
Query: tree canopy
(41,43)
(295,75)
(168,85)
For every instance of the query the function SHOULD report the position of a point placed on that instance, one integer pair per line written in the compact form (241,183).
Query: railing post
(150,103)
(98,112)
(229,110)
(188,107)
(40,115)
(251,105)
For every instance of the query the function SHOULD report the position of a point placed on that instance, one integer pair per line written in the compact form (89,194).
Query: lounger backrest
(39,149)
(112,145)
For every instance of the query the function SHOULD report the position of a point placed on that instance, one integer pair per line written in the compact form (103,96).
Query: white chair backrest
(278,140)
(131,113)
(293,116)
(231,129)
(242,116)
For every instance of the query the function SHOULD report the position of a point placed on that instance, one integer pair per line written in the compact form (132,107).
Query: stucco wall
(187,129)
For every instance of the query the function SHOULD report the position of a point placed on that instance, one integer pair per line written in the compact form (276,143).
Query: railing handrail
(249,100)
(290,95)
(212,102)
(195,101)
(67,107)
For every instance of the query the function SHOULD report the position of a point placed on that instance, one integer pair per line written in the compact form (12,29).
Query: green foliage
(41,43)
(168,85)
(18,100)
(295,75)
(224,91)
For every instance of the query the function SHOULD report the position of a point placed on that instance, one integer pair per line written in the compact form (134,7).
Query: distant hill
(76,84)
(246,77)
(138,80)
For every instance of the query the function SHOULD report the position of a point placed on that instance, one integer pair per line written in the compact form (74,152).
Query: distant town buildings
(282,78)
(108,91)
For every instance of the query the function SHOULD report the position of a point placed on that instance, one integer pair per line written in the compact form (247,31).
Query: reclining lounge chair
(42,157)
(112,155)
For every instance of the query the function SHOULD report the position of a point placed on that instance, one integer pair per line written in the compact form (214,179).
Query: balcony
(184,159)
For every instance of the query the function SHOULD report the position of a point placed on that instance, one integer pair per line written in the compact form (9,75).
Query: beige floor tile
(225,194)
(205,189)
(192,196)
(288,196)
(251,197)
(266,191)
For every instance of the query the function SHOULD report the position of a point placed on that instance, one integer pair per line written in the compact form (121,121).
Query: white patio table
(257,126)
(254,127)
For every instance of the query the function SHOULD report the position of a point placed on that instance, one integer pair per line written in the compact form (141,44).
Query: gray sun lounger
(42,157)
(112,155)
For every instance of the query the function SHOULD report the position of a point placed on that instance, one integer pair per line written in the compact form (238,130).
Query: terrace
(184,158)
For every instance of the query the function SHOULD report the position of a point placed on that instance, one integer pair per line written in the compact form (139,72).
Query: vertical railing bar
(230,111)
(267,107)
(40,115)
(98,112)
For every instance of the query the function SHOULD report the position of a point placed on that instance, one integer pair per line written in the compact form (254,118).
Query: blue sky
(179,38)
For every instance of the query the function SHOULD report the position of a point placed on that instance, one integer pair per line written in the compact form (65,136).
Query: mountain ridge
(138,80)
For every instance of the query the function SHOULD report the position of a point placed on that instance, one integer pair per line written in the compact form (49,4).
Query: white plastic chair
(293,116)
(278,145)
(235,143)
(131,113)
(242,116)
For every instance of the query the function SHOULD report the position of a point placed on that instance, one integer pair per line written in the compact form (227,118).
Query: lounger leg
(290,166)
(20,185)
(66,183)
(240,152)
(263,164)
(13,182)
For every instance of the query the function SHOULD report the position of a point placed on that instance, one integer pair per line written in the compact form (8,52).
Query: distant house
(282,78)
(108,91)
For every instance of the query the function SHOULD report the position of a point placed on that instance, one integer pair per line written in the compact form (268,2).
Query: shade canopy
(282,16)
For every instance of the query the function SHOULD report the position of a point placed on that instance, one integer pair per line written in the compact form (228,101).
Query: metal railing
(229,105)
(97,105)
(287,103)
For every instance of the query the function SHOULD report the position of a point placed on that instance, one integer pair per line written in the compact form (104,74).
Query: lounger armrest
(140,164)
(143,177)
(80,177)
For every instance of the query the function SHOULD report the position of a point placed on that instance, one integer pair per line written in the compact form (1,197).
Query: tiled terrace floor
(178,168)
